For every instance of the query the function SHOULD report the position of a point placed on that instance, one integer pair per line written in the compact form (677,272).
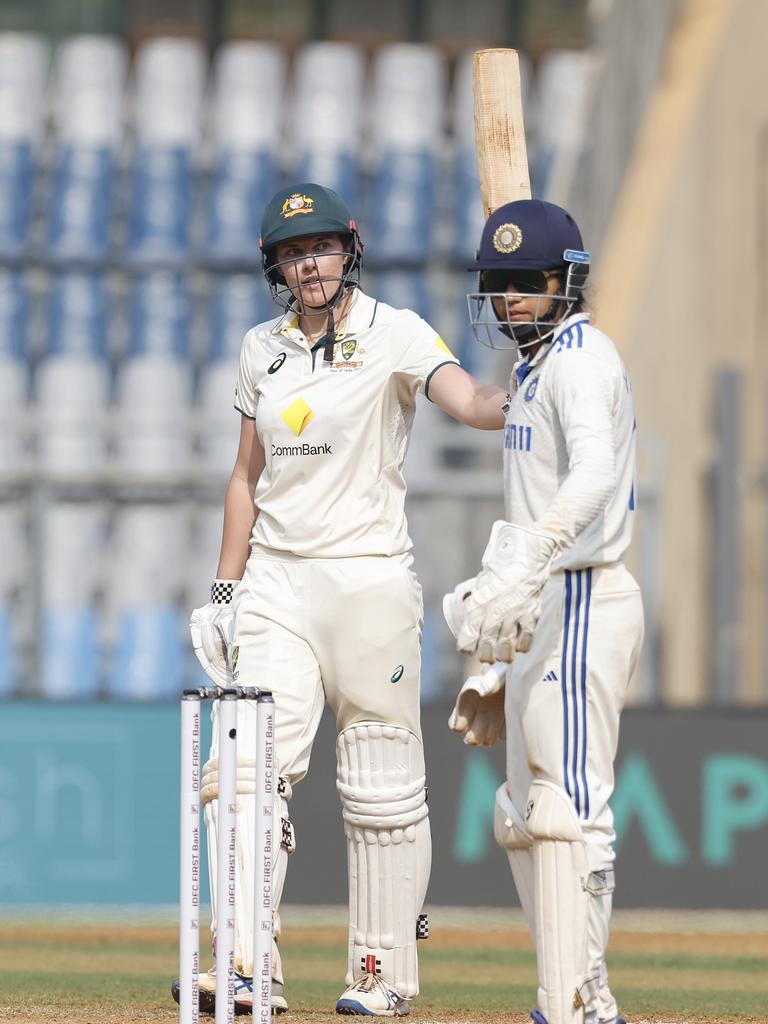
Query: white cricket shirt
(569,446)
(335,435)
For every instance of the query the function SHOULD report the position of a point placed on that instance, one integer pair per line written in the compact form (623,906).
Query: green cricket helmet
(301,210)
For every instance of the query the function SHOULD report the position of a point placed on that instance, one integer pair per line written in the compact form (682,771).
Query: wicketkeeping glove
(211,630)
(479,709)
(500,613)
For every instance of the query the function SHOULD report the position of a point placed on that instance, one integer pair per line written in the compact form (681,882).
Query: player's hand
(211,630)
(499,615)
(453,604)
(479,710)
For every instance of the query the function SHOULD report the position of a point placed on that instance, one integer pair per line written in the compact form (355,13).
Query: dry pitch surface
(665,969)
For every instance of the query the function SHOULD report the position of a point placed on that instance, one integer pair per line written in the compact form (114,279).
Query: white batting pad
(380,780)
(510,832)
(245,863)
(561,906)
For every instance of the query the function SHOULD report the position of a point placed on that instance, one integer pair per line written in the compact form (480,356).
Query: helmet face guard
(496,324)
(524,244)
(304,211)
(333,288)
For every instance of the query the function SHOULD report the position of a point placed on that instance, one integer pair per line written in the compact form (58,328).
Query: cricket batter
(553,611)
(315,595)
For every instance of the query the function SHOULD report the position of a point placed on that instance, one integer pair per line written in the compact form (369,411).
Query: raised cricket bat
(502,159)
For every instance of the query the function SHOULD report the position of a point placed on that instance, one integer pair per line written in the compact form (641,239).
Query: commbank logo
(302,449)
(297,416)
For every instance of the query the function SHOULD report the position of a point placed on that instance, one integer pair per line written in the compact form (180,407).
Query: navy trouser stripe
(564,679)
(574,687)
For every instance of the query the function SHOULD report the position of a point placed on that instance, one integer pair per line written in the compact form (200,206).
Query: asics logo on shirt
(277,363)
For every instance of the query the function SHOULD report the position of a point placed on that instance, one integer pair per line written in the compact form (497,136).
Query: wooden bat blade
(502,159)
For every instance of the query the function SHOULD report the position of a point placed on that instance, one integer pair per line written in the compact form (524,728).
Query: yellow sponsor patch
(297,416)
(443,347)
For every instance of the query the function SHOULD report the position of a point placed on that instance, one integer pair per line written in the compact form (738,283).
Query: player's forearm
(239,516)
(583,495)
(468,400)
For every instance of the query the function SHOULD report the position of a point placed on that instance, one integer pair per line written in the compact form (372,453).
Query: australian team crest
(530,391)
(348,348)
(298,203)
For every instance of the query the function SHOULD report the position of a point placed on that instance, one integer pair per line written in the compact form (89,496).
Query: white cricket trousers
(342,630)
(564,697)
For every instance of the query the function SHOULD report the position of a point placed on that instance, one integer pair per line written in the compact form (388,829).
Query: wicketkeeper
(553,613)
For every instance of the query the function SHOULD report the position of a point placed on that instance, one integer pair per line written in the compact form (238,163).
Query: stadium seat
(404,289)
(564,85)
(14,373)
(408,94)
(72,379)
(14,579)
(326,116)
(73,539)
(149,639)
(246,117)
(89,81)
(23,74)
(237,303)
(153,382)
(168,96)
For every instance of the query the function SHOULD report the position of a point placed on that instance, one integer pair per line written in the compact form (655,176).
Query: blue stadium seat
(14,315)
(246,119)
(160,314)
(149,654)
(402,208)
(73,539)
(23,75)
(17,182)
(241,186)
(72,379)
(14,373)
(70,653)
(408,100)
(9,654)
(150,639)
(404,289)
(161,206)
(154,381)
(78,315)
(168,87)
(87,121)
(327,115)
(238,302)
(81,206)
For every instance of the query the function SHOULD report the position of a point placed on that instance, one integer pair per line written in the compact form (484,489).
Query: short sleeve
(246,396)
(420,352)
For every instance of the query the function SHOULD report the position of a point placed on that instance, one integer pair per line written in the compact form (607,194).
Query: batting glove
(211,630)
(479,709)
(500,613)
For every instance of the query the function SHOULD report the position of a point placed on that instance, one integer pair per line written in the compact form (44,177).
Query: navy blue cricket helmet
(524,244)
(529,234)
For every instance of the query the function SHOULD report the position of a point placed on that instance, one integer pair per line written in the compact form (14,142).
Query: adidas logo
(550,677)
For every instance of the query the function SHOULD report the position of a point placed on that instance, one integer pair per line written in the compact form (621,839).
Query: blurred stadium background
(138,143)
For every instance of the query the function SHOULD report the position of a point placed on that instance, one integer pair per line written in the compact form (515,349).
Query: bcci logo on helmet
(297,203)
(507,238)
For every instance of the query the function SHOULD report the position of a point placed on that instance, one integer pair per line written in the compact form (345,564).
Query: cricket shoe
(243,994)
(371,996)
(539,1018)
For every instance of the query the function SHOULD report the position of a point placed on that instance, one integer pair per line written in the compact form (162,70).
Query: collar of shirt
(361,315)
(523,367)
